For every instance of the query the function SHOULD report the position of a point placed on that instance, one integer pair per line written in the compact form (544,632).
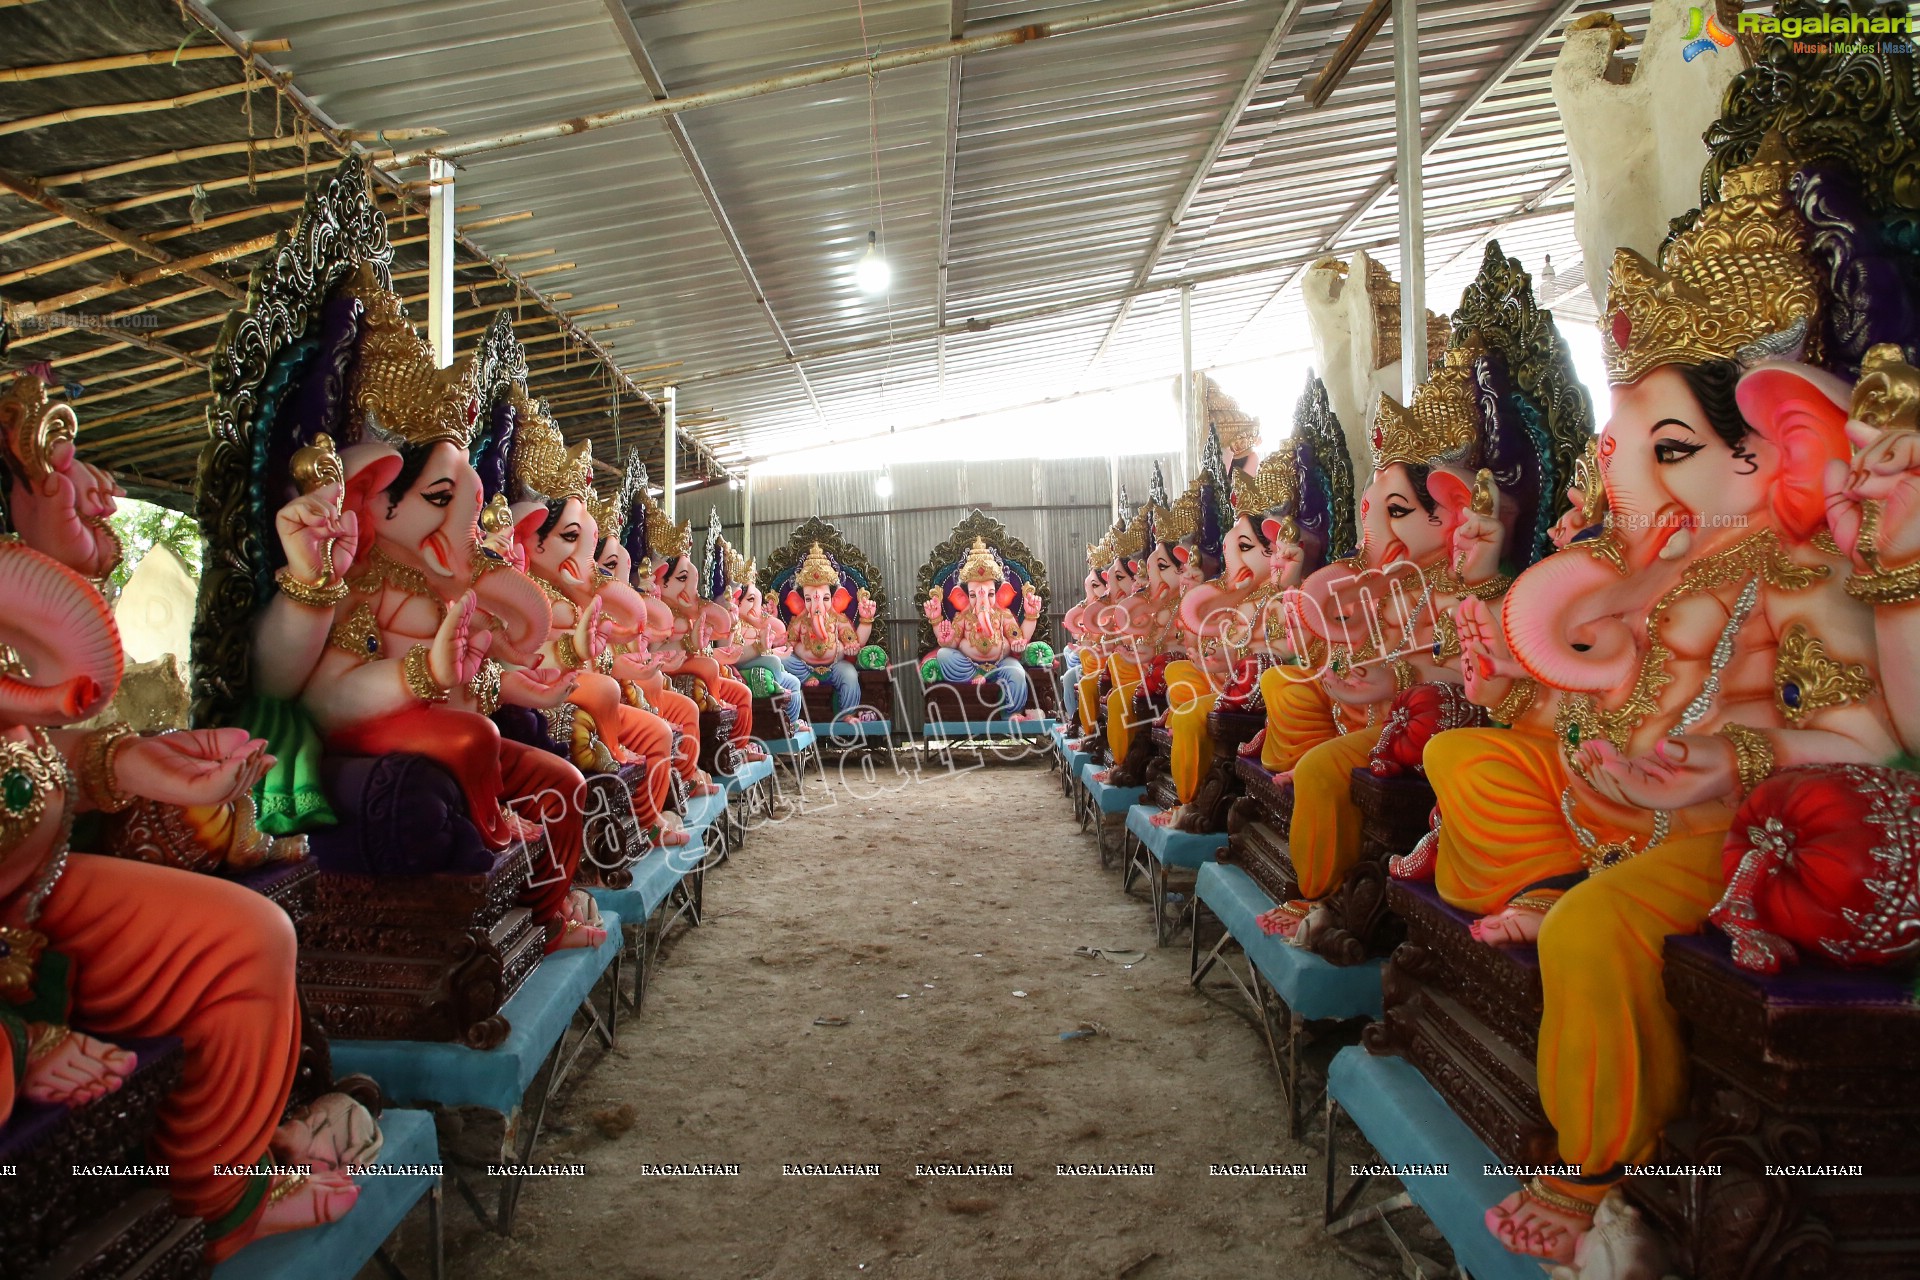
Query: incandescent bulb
(883,485)
(872,273)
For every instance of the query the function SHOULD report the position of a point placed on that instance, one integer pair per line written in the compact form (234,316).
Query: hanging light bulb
(872,273)
(883,484)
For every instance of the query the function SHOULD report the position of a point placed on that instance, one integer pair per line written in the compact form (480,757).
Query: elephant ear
(1004,596)
(1802,412)
(1451,496)
(795,605)
(370,468)
(957,597)
(841,599)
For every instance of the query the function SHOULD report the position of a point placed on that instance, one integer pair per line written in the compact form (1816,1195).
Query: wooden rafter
(126,61)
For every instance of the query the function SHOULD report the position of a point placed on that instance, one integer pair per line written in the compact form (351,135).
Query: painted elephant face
(819,601)
(433,523)
(1247,552)
(563,553)
(980,596)
(615,561)
(1674,488)
(1163,572)
(752,604)
(65,514)
(1123,580)
(1397,522)
(1191,573)
(676,581)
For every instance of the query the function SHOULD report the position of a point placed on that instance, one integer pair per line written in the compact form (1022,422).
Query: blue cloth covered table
(1409,1123)
(750,774)
(654,878)
(851,732)
(703,811)
(791,746)
(452,1075)
(338,1250)
(989,728)
(1313,986)
(1170,847)
(1106,797)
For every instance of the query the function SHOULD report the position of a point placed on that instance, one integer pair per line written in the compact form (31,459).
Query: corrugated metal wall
(1055,505)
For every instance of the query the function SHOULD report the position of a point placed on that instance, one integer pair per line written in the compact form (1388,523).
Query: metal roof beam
(846,69)
(1256,76)
(697,170)
(1453,120)
(956,30)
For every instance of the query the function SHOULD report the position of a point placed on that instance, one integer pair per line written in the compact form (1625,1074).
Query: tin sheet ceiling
(1070,155)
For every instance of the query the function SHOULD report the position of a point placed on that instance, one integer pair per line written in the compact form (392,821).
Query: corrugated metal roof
(1069,157)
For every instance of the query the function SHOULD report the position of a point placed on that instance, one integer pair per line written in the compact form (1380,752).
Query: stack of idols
(1660,941)
(988,658)
(828,606)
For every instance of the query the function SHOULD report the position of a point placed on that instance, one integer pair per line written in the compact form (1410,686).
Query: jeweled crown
(543,463)
(1276,484)
(1239,430)
(1442,421)
(981,565)
(1738,276)
(816,570)
(395,379)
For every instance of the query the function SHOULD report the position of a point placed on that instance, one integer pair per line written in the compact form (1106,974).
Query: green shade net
(290,798)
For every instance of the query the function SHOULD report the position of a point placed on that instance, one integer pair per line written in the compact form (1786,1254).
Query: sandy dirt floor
(939,921)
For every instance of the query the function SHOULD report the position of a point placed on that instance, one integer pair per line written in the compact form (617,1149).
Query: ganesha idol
(1711,634)
(387,631)
(981,636)
(99,950)
(555,521)
(829,620)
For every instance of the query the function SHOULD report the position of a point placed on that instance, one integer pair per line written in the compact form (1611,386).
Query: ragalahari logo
(1704,34)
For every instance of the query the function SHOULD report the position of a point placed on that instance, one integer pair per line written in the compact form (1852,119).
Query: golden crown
(816,570)
(1183,521)
(395,380)
(1443,419)
(1239,430)
(1276,484)
(1100,554)
(33,425)
(1737,277)
(542,461)
(981,565)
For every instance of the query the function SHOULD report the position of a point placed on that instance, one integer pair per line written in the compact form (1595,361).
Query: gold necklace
(382,570)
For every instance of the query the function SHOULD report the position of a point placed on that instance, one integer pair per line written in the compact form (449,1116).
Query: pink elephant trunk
(517,604)
(1555,626)
(1207,599)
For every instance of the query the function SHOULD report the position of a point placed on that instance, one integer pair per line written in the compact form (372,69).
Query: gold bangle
(1558,1200)
(566,653)
(1886,586)
(1519,698)
(98,753)
(284,1187)
(43,1038)
(485,687)
(1752,753)
(1542,901)
(320,595)
(417,670)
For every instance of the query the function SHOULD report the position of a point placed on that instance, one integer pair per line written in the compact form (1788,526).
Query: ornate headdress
(816,570)
(981,565)
(543,464)
(395,379)
(1100,554)
(1444,418)
(1239,430)
(33,426)
(1736,283)
(1182,520)
(1275,484)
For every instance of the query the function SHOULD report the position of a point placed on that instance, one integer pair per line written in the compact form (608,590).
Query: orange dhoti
(539,785)
(158,952)
(683,715)
(1299,717)
(1120,727)
(1324,841)
(1190,697)
(1612,1067)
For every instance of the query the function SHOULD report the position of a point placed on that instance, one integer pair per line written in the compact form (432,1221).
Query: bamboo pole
(172,233)
(146,409)
(156,197)
(165,158)
(72,115)
(118,284)
(1365,28)
(124,61)
(94,397)
(36,193)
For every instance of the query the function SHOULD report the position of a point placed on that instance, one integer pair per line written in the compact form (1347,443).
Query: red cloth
(1826,859)
(1416,715)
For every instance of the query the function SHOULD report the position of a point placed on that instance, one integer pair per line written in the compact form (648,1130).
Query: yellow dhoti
(1299,717)
(1324,841)
(1501,831)
(1612,1064)
(1190,697)
(1088,708)
(1612,1068)
(1126,680)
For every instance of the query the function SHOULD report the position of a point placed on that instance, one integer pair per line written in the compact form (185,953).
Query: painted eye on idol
(1397,512)
(1668,452)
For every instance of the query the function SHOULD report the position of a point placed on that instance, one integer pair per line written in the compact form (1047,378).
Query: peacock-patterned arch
(855,567)
(944,564)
